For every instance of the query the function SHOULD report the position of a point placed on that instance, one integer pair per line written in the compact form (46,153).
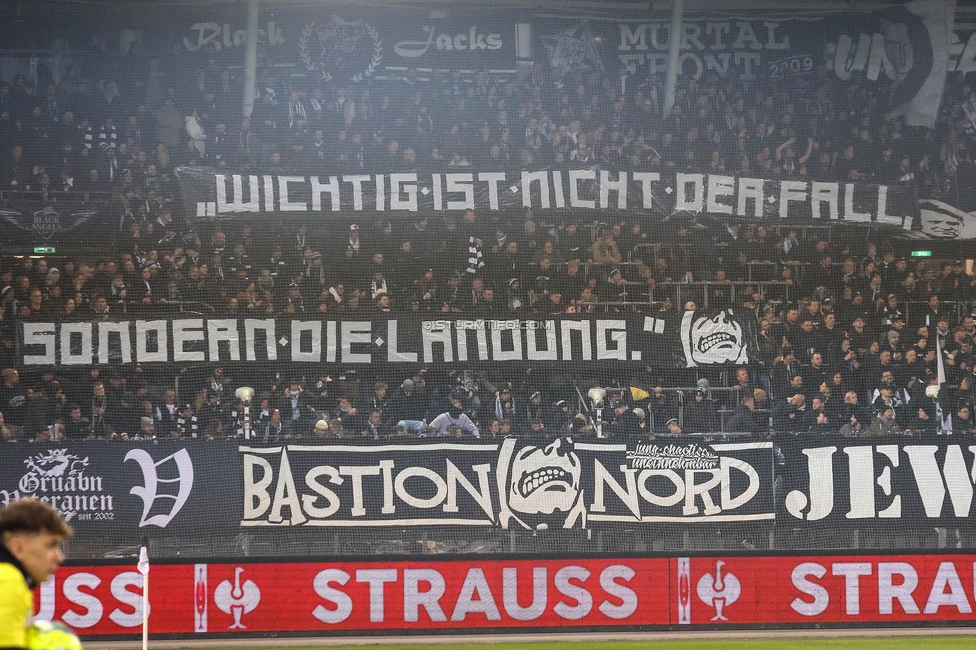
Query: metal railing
(173,306)
(681,393)
(75,195)
(684,291)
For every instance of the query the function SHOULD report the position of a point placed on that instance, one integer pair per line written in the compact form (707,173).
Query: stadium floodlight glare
(245,393)
(932,392)
(597,394)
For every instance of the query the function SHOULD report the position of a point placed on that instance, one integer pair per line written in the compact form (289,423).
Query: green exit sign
(45,249)
(921,253)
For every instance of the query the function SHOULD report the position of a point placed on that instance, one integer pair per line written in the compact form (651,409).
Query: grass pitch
(880,643)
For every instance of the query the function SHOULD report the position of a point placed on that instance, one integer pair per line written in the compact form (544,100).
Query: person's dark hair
(32,516)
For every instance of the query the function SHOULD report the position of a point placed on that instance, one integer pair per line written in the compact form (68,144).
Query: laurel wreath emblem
(305,56)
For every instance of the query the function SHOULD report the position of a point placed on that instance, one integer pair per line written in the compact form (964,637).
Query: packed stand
(852,363)
(848,331)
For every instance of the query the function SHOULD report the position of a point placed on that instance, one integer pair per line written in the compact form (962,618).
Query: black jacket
(699,417)
(782,422)
(743,420)
(625,425)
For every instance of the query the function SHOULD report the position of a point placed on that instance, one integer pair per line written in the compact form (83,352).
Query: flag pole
(145,613)
(144,570)
(941,376)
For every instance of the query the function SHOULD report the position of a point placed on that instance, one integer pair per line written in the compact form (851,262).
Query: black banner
(110,489)
(127,489)
(874,481)
(740,48)
(347,46)
(515,483)
(902,44)
(209,194)
(58,218)
(196,489)
(676,340)
(907,46)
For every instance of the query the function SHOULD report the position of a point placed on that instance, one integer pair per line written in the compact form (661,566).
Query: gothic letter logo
(719,591)
(237,599)
(180,461)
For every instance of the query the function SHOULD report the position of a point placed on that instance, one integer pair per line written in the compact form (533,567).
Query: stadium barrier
(208,598)
(416,497)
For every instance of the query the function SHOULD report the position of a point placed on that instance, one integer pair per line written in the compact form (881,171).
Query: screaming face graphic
(545,480)
(943,221)
(717,340)
(899,48)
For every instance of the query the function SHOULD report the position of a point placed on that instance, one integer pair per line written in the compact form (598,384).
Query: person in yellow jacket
(31,533)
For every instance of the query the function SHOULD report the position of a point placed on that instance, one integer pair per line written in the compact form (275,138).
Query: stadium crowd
(840,350)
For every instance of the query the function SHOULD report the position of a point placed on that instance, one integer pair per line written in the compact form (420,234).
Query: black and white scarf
(107,138)
(188,427)
(317,276)
(99,406)
(476,260)
(276,266)
(273,432)
(372,431)
(376,288)
(500,413)
(295,112)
